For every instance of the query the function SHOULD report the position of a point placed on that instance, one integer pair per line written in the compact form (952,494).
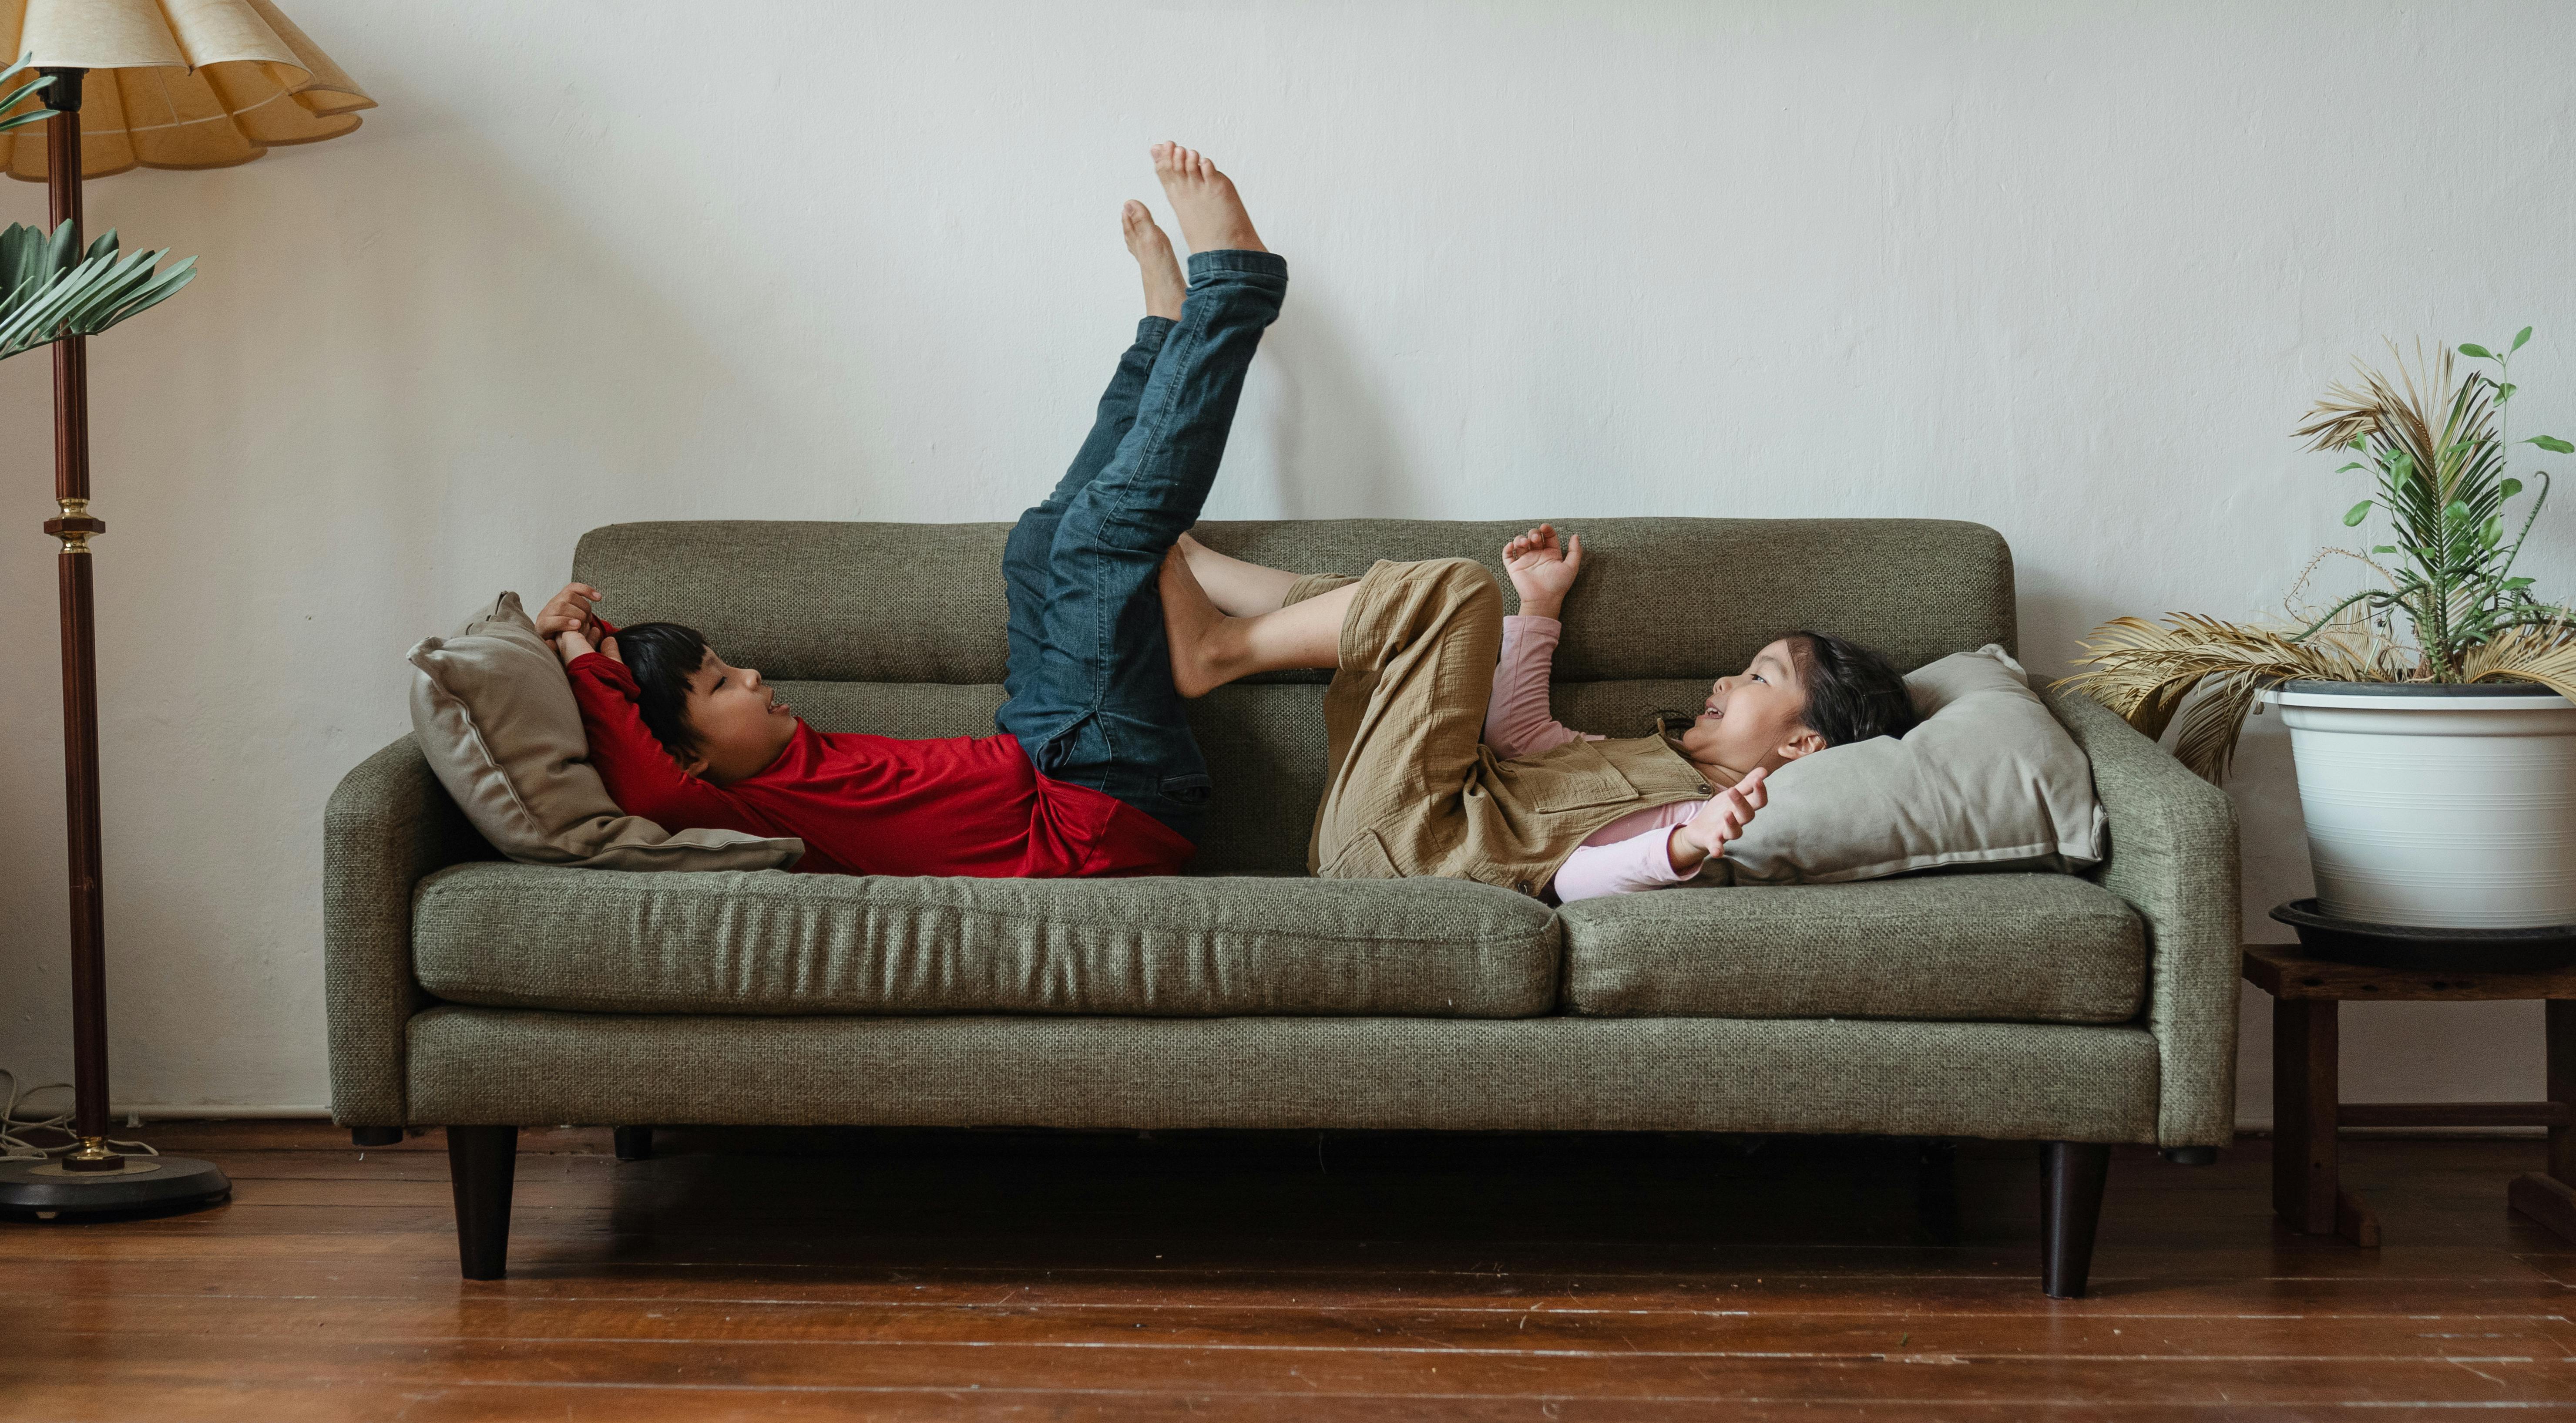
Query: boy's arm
(641,777)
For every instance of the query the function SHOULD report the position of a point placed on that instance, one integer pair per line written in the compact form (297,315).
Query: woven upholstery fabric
(770,942)
(2011,947)
(2009,1080)
(388,824)
(875,602)
(2173,858)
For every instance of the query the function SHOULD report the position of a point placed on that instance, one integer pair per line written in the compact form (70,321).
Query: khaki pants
(1411,788)
(1405,719)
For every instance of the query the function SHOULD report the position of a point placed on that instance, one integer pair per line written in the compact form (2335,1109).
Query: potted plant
(2430,711)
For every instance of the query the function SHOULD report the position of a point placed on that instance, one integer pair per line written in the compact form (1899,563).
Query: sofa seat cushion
(2039,948)
(769,942)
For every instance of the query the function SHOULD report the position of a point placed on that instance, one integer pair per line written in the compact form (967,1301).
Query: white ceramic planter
(2452,807)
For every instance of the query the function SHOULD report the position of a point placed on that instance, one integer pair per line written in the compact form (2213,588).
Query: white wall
(2071,270)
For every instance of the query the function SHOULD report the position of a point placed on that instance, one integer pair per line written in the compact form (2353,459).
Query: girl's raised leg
(1239,589)
(1210,648)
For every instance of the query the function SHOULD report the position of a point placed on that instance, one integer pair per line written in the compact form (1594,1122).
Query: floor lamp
(161,84)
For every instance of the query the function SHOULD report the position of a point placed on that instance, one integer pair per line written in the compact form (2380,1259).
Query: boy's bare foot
(1194,627)
(1153,251)
(1212,217)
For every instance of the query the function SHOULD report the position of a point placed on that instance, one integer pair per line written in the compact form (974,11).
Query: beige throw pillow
(1987,780)
(497,720)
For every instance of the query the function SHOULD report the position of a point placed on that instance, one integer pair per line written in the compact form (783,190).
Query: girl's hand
(1721,818)
(1543,569)
(569,611)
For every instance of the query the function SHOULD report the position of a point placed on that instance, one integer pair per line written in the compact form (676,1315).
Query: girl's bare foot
(1212,217)
(1153,251)
(1195,628)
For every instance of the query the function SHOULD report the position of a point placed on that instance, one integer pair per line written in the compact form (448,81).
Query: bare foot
(1212,217)
(1153,251)
(1194,627)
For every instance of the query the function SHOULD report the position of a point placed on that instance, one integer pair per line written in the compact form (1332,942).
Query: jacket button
(1525,886)
(1704,790)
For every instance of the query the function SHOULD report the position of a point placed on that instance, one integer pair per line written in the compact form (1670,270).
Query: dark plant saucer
(2416,947)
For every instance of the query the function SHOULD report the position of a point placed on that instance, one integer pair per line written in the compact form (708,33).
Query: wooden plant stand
(2307,1107)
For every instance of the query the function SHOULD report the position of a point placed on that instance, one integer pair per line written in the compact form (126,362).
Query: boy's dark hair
(662,657)
(1852,692)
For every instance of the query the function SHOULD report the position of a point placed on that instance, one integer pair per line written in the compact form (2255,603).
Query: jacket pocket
(1572,777)
(1364,858)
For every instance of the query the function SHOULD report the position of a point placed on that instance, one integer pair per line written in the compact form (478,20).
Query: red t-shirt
(879,805)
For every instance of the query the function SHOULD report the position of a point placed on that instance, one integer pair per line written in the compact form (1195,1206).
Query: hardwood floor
(1025,1275)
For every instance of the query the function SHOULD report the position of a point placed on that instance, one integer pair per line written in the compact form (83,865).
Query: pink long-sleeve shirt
(1630,853)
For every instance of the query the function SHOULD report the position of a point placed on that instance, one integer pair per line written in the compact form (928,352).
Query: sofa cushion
(768,942)
(2000,947)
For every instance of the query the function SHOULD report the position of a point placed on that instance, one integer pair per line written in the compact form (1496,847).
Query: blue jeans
(1090,694)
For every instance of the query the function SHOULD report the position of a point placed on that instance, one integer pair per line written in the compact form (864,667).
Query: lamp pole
(74,526)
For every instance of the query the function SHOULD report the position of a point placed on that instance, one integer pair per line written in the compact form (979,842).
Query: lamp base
(141,1183)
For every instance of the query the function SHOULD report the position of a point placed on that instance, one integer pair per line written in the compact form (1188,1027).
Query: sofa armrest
(389,823)
(2173,858)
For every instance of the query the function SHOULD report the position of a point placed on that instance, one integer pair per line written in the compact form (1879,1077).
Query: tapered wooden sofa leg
(2070,1209)
(482,1162)
(634,1143)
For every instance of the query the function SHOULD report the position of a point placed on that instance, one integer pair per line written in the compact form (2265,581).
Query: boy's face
(741,724)
(1756,718)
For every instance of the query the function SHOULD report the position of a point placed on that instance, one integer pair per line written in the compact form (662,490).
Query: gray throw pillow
(496,717)
(1987,780)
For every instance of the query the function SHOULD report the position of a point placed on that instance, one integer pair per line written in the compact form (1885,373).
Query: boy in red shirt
(1095,771)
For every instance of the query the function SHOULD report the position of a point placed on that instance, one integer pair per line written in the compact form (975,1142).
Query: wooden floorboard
(1031,1275)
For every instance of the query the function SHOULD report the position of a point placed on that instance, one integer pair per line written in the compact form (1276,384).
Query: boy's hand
(1543,569)
(569,611)
(569,645)
(1722,817)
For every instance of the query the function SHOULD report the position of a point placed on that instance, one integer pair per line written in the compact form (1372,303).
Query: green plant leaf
(2455,511)
(2515,584)
(2385,548)
(2353,466)
(2552,444)
(2505,392)
(2356,513)
(2520,337)
(2511,487)
(2472,348)
(2491,532)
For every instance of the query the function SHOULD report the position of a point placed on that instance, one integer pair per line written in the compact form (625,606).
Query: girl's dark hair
(662,657)
(1852,692)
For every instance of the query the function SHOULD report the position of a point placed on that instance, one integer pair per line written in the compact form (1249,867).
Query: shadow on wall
(1326,444)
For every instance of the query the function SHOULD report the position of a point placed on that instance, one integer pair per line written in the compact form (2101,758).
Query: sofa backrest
(897,628)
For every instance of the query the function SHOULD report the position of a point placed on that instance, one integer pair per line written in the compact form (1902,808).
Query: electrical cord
(14,1145)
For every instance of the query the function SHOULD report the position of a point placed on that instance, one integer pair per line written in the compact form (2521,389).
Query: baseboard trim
(127,1112)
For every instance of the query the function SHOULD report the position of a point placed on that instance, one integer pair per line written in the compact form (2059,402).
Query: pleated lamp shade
(176,83)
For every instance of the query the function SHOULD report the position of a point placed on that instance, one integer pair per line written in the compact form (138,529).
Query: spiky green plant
(49,288)
(24,91)
(2436,448)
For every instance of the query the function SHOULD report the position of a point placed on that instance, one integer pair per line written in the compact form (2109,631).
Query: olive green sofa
(477,995)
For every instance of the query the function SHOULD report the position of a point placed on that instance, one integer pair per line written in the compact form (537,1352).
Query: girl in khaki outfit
(1422,691)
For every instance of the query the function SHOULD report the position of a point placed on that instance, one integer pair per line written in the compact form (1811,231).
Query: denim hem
(1233,259)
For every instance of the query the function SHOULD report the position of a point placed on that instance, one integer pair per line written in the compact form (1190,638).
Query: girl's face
(1756,718)
(740,722)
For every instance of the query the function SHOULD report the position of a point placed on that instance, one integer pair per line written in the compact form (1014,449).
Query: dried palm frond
(2545,653)
(2147,672)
